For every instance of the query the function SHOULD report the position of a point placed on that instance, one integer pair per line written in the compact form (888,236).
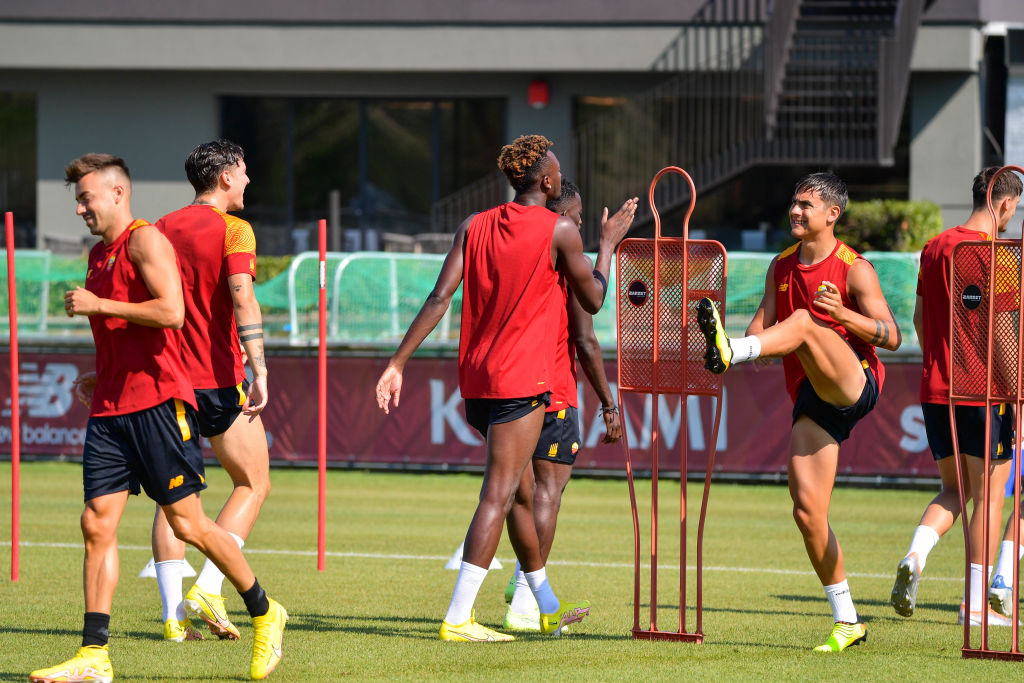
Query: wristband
(604,283)
(613,409)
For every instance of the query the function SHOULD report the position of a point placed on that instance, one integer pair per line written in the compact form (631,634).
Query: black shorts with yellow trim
(559,437)
(970,430)
(837,421)
(157,448)
(481,413)
(218,408)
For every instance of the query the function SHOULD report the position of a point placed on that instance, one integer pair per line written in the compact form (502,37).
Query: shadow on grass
(423,628)
(937,606)
(23,675)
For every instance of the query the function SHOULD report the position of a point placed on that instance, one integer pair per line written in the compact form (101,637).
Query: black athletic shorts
(157,447)
(481,413)
(838,422)
(970,430)
(218,408)
(559,437)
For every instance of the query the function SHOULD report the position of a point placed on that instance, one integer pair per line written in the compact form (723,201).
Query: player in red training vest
(509,258)
(142,427)
(931,318)
(539,496)
(824,313)
(217,259)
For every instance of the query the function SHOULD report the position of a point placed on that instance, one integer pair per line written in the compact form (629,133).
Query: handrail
(895,54)
(778,39)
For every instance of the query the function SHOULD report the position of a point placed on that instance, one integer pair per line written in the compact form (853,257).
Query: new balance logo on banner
(47,392)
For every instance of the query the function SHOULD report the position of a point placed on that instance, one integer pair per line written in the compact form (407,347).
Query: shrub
(889,225)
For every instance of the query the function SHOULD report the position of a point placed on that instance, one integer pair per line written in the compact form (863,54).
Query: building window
(18,164)
(373,166)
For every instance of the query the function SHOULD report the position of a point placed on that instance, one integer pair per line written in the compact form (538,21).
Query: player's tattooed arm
(249,325)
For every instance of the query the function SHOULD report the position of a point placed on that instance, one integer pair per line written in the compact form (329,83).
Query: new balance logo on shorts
(177,481)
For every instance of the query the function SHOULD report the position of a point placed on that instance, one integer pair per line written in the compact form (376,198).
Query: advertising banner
(429,428)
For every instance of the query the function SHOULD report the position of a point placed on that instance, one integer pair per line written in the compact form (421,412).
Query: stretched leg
(812,471)
(510,446)
(169,559)
(938,518)
(242,451)
(191,525)
(551,478)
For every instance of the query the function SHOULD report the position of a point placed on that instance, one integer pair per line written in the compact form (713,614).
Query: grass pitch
(375,612)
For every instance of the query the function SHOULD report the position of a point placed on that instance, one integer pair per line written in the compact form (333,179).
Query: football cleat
(844,635)
(1000,597)
(994,618)
(568,613)
(210,608)
(92,663)
(180,631)
(267,641)
(510,587)
(472,632)
(904,591)
(718,356)
(521,622)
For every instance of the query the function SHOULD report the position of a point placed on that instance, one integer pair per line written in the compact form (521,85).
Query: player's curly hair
(87,163)
(569,192)
(207,161)
(523,160)
(1007,185)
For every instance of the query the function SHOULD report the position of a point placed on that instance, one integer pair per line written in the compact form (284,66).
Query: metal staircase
(780,82)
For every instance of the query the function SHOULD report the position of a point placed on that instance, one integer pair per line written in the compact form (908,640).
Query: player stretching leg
(539,496)
(142,428)
(823,311)
(217,259)
(511,303)
(931,319)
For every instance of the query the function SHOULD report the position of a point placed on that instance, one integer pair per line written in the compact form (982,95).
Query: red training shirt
(137,367)
(211,246)
(563,387)
(796,286)
(510,303)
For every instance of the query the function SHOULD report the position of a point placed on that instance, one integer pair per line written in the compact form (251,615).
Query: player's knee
(97,527)
(804,516)
(184,529)
(548,495)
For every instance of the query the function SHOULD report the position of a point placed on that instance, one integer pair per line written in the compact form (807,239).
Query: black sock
(96,630)
(255,600)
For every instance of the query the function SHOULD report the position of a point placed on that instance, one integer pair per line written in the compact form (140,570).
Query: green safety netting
(372,297)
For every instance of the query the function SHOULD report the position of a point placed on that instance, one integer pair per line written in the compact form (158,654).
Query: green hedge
(889,225)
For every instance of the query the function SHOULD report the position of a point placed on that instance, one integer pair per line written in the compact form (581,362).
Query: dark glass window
(18,164)
(383,163)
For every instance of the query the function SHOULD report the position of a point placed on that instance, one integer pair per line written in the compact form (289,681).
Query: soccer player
(217,259)
(823,311)
(931,318)
(142,428)
(539,496)
(511,305)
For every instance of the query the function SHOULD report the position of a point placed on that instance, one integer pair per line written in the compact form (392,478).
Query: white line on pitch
(443,558)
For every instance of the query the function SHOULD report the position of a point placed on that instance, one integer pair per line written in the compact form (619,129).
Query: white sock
(1004,567)
(523,601)
(211,580)
(546,600)
(466,587)
(841,601)
(979,587)
(925,538)
(744,348)
(168,579)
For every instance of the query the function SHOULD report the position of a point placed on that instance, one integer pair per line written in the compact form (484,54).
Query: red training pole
(321,408)
(12,302)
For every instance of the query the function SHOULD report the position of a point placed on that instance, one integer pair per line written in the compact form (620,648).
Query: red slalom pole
(321,409)
(12,302)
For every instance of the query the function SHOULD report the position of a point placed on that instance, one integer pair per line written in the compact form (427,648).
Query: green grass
(375,612)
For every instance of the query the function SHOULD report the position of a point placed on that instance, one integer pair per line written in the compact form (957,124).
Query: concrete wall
(945,118)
